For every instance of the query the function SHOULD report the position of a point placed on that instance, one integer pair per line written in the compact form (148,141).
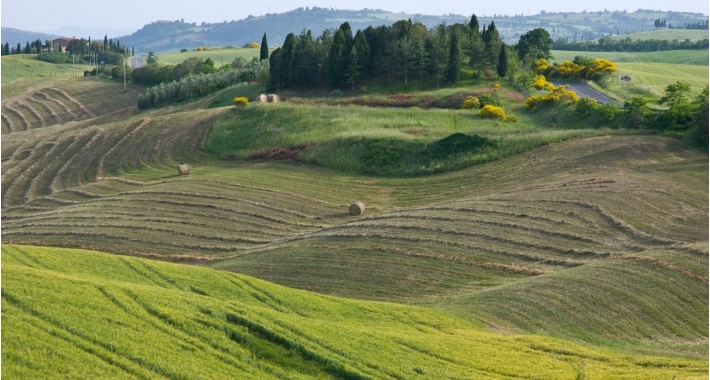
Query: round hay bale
(183,169)
(357,208)
(273,98)
(262,98)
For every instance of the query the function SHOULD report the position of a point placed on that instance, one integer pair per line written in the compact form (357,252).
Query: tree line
(77,46)
(401,52)
(628,45)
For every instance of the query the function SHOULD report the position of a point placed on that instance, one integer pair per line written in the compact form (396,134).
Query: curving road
(583,90)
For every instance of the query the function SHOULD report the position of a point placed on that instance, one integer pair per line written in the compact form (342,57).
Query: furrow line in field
(663,264)
(444,231)
(564,235)
(145,212)
(202,205)
(7,123)
(282,192)
(100,168)
(32,189)
(163,323)
(406,252)
(97,236)
(58,102)
(25,123)
(71,99)
(100,350)
(49,110)
(440,242)
(21,176)
(10,229)
(220,197)
(34,113)
(613,221)
(63,168)
(14,168)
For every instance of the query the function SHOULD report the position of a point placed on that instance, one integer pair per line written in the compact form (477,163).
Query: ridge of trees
(629,45)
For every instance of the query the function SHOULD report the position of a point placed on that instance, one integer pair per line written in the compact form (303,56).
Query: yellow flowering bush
(570,69)
(253,45)
(600,67)
(471,103)
(541,65)
(240,101)
(555,94)
(496,87)
(492,112)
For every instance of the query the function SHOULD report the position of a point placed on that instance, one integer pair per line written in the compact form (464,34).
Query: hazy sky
(46,15)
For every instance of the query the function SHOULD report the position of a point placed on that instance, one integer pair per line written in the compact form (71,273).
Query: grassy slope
(25,66)
(526,217)
(668,34)
(681,57)
(217,55)
(92,315)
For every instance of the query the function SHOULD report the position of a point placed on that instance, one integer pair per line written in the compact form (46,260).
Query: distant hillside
(170,35)
(13,36)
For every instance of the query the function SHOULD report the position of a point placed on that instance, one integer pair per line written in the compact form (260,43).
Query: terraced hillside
(54,102)
(91,315)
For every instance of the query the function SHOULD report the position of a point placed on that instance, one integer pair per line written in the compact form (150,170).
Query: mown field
(25,66)
(83,314)
(667,34)
(218,55)
(679,57)
(593,240)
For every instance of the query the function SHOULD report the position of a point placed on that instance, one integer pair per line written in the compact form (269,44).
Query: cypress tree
(287,59)
(18,49)
(264,53)
(502,67)
(7,48)
(363,51)
(28,49)
(473,24)
(275,69)
(306,61)
(105,41)
(352,72)
(336,59)
(454,70)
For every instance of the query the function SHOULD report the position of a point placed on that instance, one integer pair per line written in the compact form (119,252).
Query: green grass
(83,314)
(27,67)
(681,57)
(668,34)
(382,141)
(218,55)
(651,79)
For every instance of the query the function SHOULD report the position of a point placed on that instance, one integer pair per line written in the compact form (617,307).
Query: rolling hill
(540,249)
(92,315)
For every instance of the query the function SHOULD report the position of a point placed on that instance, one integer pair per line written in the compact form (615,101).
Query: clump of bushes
(492,112)
(240,101)
(458,143)
(471,103)
(585,107)
(554,94)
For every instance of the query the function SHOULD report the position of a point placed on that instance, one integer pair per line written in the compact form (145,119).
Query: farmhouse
(60,44)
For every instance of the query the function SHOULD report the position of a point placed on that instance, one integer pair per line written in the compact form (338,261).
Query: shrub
(496,87)
(183,50)
(511,118)
(471,103)
(241,101)
(489,99)
(336,93)
(585,107)
(555,94)
(491,111)
(363,89)
(609,111)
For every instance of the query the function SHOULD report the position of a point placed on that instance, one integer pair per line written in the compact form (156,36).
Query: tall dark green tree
(306,61)
(473,24)
(493,45)
(28,49)
(264,52)
(287,63)
(6,49)
(337,59)
(537,43)
(502,68)
(353,71)
(363,51)
(275,70)
(453,71)
(18,49)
